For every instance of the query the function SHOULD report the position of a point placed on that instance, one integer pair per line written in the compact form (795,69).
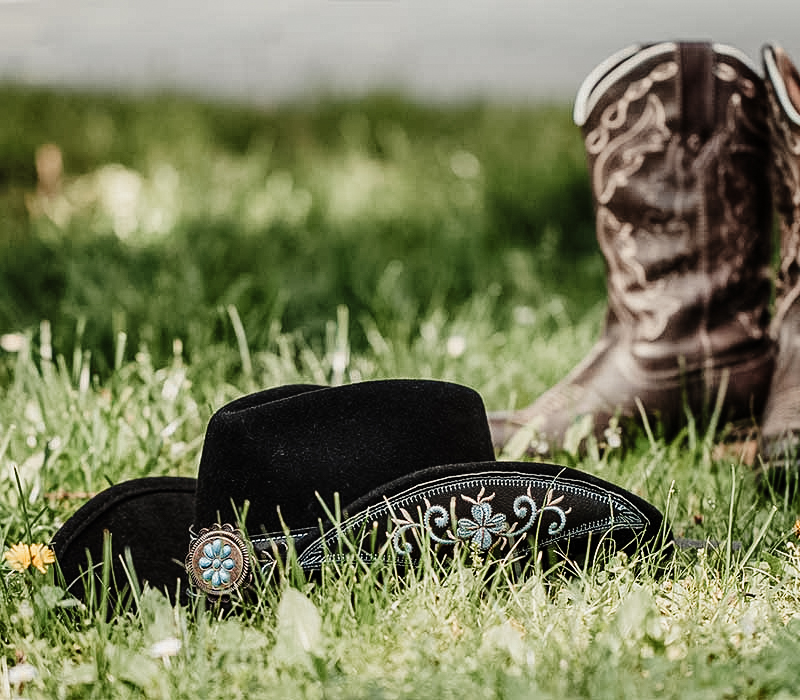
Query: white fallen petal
(165,648)
(21,673)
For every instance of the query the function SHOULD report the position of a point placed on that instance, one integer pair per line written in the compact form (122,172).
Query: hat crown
(282,450)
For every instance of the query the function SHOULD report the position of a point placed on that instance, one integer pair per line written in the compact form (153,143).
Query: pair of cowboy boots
(688,147)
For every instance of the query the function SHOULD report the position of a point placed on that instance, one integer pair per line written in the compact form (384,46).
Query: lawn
(170,255)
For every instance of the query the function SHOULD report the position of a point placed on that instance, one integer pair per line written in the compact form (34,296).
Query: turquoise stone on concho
(218,562)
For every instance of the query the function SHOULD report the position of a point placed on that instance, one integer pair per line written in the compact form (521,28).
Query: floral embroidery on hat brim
(485,529)
(464,509)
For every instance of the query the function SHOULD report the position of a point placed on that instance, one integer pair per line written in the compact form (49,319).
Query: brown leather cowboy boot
(678,151)
(780,430)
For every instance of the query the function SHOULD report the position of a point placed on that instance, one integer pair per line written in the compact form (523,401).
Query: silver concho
(218,562)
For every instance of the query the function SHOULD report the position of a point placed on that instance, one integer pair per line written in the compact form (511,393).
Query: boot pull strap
(697,96)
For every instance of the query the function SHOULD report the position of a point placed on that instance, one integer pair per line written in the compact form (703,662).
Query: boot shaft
(677,142)
(678,150)
(783,88)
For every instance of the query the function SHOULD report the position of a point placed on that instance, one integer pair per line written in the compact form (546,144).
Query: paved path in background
(268,50)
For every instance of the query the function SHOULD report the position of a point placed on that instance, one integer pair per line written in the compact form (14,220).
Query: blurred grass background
(168,211)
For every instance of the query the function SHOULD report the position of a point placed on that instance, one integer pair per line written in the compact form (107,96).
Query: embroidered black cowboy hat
(404,464)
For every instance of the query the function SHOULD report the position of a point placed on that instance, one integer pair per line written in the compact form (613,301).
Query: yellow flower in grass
(23,556)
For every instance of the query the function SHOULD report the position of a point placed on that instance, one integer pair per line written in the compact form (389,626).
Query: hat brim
(520,508)
(516,508)
(148,523)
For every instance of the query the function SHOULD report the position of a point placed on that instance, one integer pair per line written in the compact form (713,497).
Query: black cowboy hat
(410,461)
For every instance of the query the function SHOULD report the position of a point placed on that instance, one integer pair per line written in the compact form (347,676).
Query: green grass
(259,247)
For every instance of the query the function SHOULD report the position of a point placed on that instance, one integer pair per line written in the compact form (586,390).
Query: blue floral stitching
(482,526)
(623,512)
(485,528)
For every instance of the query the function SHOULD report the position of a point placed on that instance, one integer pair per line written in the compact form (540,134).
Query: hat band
(219,561)
(498,512)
